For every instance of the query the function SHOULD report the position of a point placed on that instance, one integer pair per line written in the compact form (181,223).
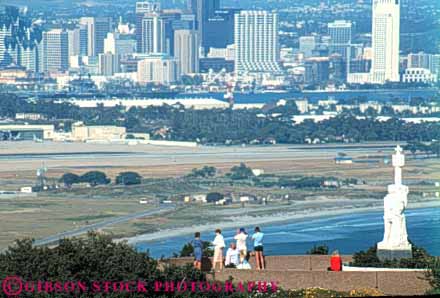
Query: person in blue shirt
(198,251)
(258,248)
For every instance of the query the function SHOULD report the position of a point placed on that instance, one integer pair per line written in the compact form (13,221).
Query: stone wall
(297,272)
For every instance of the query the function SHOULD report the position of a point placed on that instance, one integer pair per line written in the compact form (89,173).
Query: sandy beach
(279,217)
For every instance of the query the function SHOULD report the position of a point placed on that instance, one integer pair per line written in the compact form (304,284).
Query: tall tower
(256,41)
(186,50)
(143,8)
(340,33)
(54,51)
(203,10)
(386,41)
(153,30)
(97,29)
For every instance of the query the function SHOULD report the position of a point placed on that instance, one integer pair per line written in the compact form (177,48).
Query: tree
(318,250)
(95,178)
(241,172)
(129,178)
(95,258)
(69,179)
(204,172)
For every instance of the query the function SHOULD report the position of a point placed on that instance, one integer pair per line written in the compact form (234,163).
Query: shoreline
(259,220)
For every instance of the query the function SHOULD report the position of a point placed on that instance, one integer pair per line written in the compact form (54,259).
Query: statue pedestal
(394,254)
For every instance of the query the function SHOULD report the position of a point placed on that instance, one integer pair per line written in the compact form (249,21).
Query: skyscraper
(340,33)
(143,8)
(97,29)
(54,49)
(385,41)
(153,30)
(256,41)
(186,50)
(204,10)
(219,30)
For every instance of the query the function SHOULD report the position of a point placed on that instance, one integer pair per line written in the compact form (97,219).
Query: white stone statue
(396,236)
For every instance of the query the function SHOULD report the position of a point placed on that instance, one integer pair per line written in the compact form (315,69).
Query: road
(102,224)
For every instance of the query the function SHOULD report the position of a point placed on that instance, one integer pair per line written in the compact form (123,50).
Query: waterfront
(348,233)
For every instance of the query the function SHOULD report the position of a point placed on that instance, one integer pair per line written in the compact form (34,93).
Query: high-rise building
(307,44)
(204,10)
(143,8)
(153,30)
(97,29)
(186,50)
(54,51)
(219,29)
(108,64)
(121,45)
(74,36)
(385,41)
(158,68)
(256,42)
(340,33)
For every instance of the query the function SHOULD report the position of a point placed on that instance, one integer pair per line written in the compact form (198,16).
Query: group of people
(237,255)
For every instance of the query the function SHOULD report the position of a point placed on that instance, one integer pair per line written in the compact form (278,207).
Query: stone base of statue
(394,254)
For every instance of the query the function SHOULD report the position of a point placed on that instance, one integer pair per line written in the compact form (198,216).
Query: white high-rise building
(256,41)
(153,30)
(186,50)
(159,69)
(385,41)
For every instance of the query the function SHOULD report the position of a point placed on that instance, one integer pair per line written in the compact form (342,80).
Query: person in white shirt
(241,238)
(219,245)
(232,256)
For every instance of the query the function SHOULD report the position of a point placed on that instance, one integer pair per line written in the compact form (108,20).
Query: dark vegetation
(318,250)
(226,126)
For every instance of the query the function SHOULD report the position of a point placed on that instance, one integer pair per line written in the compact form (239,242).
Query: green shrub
(318,250)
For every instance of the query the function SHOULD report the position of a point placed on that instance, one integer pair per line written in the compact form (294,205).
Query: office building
(203,10)
(385,41)
(317,70)
(54,51)
(153,33)
(143,8)
(256,41)
(121,45)
(340,33)
(186,50)
(97,29)
(108,64)
(159,69)
(219,29)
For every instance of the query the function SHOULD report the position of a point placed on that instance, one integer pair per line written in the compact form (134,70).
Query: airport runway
(23,156)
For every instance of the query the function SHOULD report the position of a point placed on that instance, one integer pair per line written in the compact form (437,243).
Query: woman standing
(258,248)
(241,243)
(198,251)
(219,245)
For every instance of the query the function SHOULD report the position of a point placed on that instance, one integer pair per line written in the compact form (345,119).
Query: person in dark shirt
(198,251)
